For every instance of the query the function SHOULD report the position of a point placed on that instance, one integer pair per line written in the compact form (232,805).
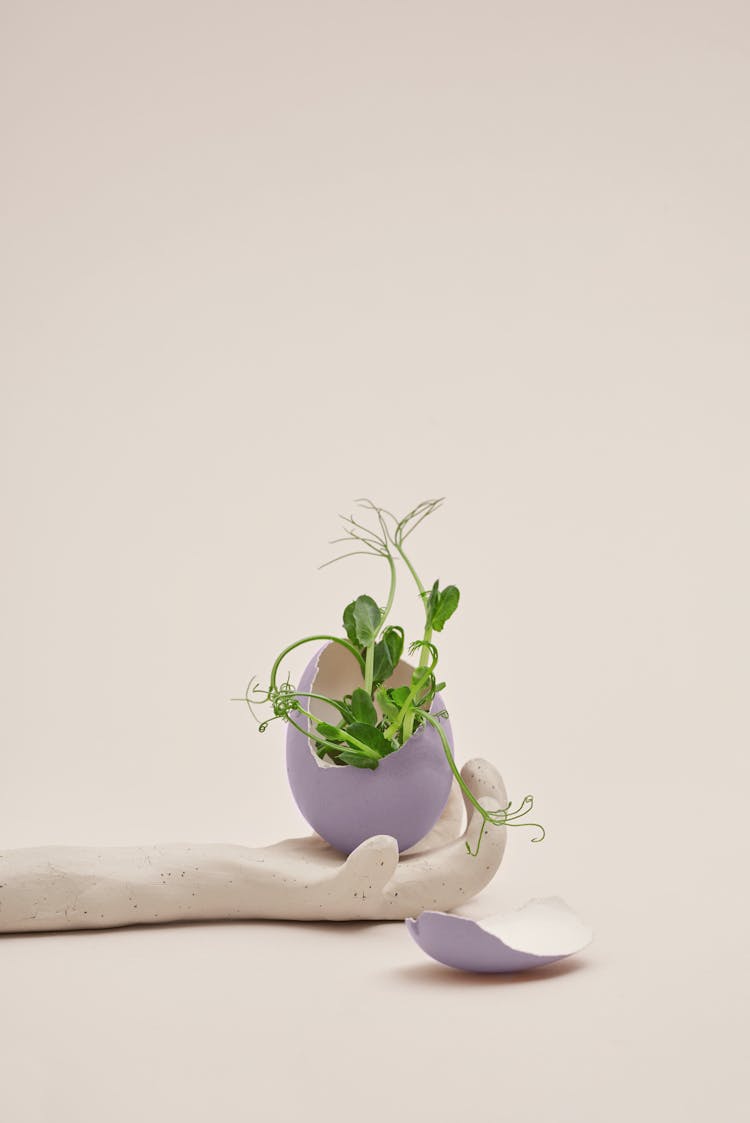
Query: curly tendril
(375,720)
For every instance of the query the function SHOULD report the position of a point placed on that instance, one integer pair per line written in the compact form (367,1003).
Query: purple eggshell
(403,797)
(458,941)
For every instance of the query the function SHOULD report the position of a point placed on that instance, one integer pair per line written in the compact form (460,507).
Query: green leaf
(382,666)
(392,747)
(370,736)
(389,708)
(447,605)
(431,601)
(387,654)
(324,751)
(347,714)
(362,708)
(398,695)
(330,732)
(393,638)
(366,620)
(349,625)
(359,760)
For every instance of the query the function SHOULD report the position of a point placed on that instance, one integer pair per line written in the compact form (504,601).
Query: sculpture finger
(483,779)
(446,877)
(370,867)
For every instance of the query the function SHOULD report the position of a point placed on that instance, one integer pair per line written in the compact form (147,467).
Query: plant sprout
(376,720)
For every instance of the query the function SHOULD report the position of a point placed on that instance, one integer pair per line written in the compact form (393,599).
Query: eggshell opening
(403,797)
(337,673)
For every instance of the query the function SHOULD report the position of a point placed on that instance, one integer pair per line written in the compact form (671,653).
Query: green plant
(376,720)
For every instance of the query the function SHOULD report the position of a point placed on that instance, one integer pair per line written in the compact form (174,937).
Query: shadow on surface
(435,974)
(349,926)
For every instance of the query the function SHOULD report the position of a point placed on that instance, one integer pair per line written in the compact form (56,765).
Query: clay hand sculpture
(54,888)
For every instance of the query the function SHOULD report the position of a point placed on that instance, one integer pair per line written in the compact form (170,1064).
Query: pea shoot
(376,719)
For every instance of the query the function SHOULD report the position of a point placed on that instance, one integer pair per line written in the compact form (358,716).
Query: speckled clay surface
(540,932)
(403,797)
(55,888)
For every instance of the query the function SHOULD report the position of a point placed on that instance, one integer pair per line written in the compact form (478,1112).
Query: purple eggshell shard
(403,797)
(540,932)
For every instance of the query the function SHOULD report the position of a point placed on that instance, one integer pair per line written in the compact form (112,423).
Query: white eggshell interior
(543,926)
(338,674)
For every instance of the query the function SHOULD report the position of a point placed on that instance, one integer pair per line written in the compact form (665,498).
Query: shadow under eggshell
(403,797)
(540,932)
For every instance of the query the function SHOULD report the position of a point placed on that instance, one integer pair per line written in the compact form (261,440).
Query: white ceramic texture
(55,888)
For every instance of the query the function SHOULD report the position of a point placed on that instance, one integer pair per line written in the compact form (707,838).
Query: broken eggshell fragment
(540,932)
(403,797)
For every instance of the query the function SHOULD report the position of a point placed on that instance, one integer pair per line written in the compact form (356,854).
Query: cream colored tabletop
(261,259)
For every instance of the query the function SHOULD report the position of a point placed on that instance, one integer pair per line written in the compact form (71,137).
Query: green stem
(409,723)
(411,568)
(369,666)
(428,631)
(324,698)
(500,818)
(391,593)
(400,716)
(425,650)
(370,650)
(364,749)
(331,745)
(309,639)
(454,768)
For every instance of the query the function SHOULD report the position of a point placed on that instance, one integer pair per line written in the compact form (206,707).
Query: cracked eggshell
(540,932)
(403,797)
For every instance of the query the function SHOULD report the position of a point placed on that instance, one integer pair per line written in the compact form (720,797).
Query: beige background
(259,259)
